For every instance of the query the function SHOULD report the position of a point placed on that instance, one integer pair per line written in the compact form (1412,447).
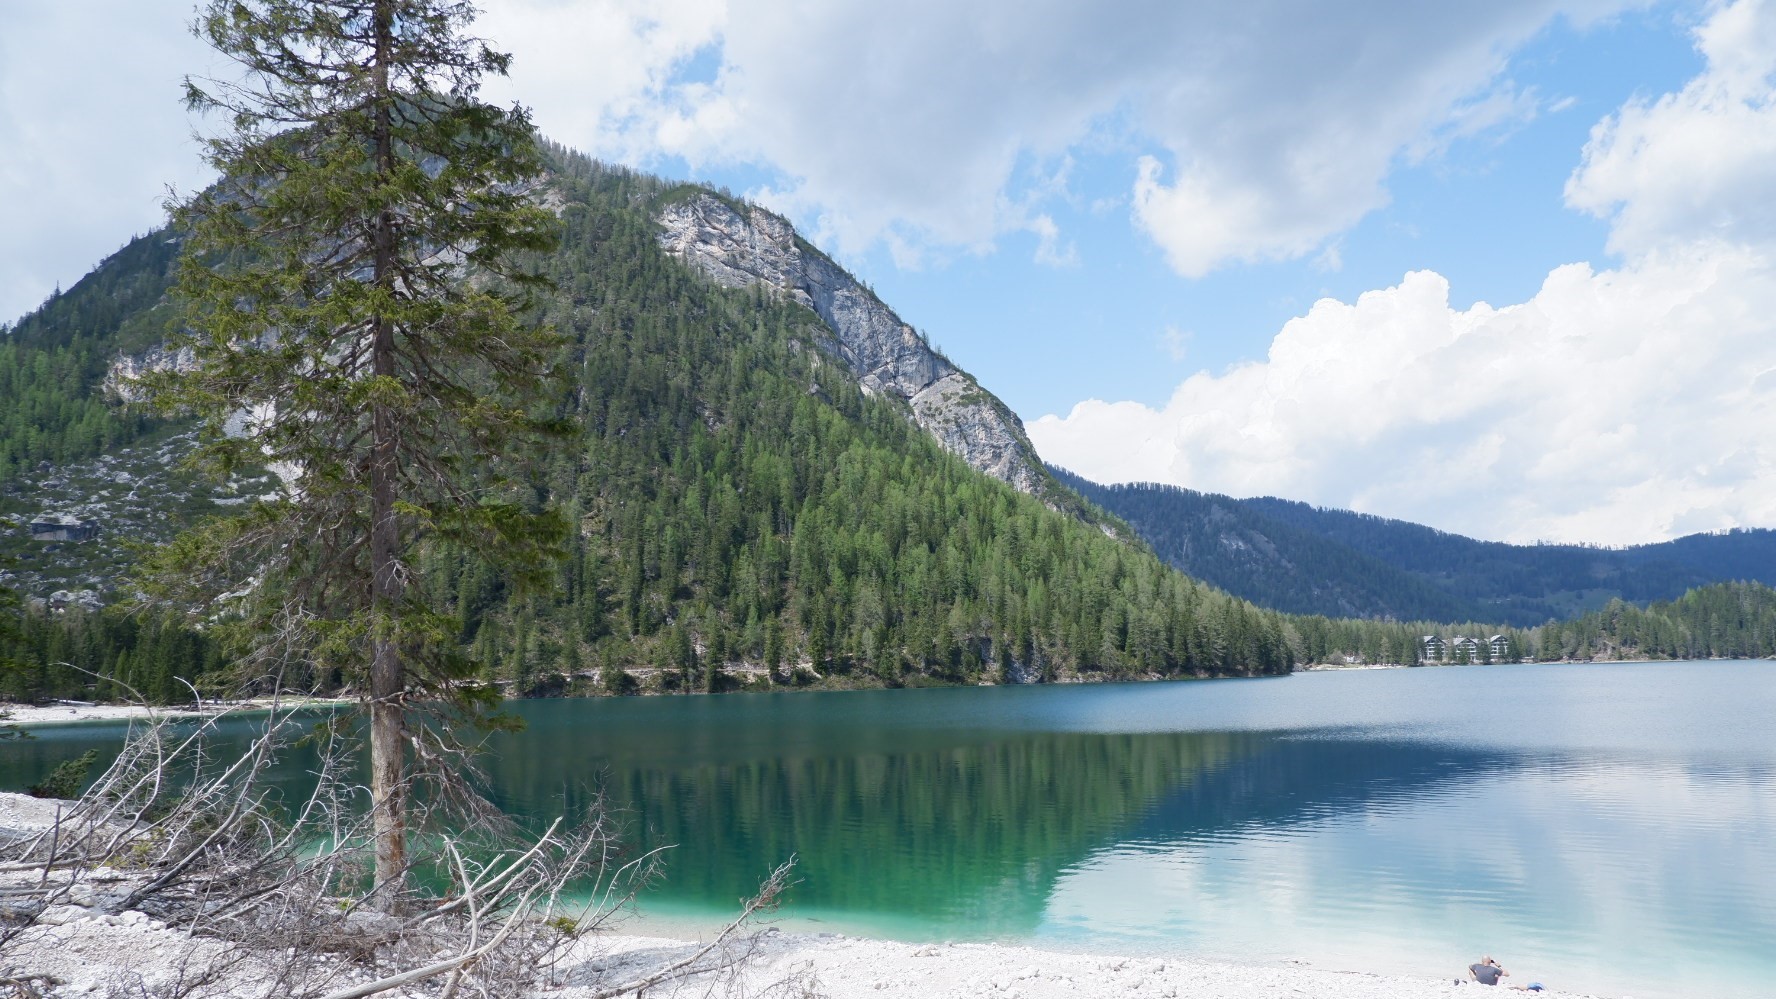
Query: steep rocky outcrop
(738,246)
(126,369)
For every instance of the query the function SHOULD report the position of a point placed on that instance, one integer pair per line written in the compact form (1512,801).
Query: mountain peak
(738,245)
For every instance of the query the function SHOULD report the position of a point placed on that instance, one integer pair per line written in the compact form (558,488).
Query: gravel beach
(852,968)
(89,953)
(66,712)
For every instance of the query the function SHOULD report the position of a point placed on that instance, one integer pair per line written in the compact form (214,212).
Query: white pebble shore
(846,967)
(89,953)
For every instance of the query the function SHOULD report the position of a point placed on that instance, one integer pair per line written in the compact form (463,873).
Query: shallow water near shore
(1602,828)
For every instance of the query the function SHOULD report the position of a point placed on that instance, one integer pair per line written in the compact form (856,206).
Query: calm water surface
(1607,827)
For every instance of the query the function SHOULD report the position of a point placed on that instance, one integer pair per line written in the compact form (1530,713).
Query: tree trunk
(388,769)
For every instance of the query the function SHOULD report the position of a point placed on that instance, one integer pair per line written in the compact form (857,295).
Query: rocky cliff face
(741,247)
(120,379)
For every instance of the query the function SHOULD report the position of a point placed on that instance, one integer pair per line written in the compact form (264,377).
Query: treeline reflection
(965,831)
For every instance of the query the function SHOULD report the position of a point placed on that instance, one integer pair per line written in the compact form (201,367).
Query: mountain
(1311,560)
(771,469)
(776,480)
(1236,547)
(52,360)
(743,246)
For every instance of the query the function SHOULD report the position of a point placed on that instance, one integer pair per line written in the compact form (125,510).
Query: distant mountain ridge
(1303,559)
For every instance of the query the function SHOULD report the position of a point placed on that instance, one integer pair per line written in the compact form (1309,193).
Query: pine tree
(355,282)
(773,653)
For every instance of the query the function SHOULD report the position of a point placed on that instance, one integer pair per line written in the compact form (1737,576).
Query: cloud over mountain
(1618,405)
(1247,132)
(1254,131)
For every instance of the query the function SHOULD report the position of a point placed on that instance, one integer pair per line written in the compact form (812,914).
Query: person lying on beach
(1488,971)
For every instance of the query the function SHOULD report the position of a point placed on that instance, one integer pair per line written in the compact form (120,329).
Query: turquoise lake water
(1604,828)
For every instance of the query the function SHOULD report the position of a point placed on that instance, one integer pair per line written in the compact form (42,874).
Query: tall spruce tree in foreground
(353,285)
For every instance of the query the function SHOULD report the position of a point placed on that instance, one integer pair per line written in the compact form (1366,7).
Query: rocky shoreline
(70,712)
(87,953)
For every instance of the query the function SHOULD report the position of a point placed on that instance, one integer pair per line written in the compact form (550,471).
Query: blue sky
(1236,247)
(1487,213)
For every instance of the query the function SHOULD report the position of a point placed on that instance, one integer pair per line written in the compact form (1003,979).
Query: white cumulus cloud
(926,126)
(1253,131)
(1696,164)
(600,74)
(1615,406)
(1279,139)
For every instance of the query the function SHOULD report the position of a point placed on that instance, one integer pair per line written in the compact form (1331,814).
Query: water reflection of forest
(942,824)
(971,832)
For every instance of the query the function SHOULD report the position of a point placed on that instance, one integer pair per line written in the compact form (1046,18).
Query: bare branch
(769,893)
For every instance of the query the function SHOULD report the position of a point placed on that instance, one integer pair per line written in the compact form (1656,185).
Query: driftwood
(272,897)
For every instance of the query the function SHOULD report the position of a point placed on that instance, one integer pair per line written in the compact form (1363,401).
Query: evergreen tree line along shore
(115,656)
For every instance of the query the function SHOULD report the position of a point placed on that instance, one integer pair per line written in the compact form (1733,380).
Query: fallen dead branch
(722,946)
(200,836)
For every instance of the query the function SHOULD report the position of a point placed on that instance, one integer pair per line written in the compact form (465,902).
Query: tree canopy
(352,288)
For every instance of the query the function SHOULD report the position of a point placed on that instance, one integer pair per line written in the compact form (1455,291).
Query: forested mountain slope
(1726,620)
(1225,541)
(1306,559)
(735,482)
(741,246)
(741,500)
(753,495)
(53,360)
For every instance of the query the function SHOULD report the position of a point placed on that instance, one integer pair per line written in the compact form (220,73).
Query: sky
(1500,268)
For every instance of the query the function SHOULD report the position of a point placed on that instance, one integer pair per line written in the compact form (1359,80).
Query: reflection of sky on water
(1626,878)
(1689,711)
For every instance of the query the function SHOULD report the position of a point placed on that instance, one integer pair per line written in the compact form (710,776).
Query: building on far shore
(64,527)
(1462,649)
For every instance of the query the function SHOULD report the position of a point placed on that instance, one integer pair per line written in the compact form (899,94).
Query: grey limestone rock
(738,247)
(120,379)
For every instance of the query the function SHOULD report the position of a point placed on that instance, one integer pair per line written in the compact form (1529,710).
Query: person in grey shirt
(1488,971)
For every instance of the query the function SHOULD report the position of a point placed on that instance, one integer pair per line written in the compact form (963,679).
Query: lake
(1598,827)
